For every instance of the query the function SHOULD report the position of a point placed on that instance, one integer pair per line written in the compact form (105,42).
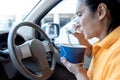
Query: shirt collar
(108,40)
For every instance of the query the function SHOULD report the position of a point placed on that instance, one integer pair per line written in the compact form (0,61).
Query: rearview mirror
(51,29)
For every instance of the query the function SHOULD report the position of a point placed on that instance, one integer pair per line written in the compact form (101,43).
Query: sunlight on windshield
(13,11)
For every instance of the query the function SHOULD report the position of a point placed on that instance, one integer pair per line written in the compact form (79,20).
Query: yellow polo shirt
(105,64)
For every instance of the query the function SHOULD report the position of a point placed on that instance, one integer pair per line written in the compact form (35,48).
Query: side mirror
(51,29)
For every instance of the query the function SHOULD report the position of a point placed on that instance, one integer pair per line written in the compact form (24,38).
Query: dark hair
(112,5)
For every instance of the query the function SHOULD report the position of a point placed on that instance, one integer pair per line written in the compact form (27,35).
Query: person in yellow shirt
(101,19)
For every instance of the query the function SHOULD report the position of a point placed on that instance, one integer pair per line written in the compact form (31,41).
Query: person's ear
(101,11)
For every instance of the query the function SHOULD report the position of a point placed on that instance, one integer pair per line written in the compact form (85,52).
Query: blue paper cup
(74,53)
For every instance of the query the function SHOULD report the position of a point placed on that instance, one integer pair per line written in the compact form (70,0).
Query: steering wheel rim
(17,53)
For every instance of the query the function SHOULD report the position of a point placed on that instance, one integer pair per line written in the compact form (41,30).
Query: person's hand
(82,40)
(76,69)
(79,36)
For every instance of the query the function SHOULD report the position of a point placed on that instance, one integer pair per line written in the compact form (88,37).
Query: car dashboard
(7,70)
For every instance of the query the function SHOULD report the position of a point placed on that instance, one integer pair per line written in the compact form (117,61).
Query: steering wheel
(30,57)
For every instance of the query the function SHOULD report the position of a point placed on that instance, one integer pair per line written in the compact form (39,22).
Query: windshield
(12,11)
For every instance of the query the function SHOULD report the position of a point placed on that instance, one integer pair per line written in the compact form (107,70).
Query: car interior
(28,50)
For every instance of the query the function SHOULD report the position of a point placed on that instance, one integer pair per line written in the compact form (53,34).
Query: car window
(12,11)
(63,14)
